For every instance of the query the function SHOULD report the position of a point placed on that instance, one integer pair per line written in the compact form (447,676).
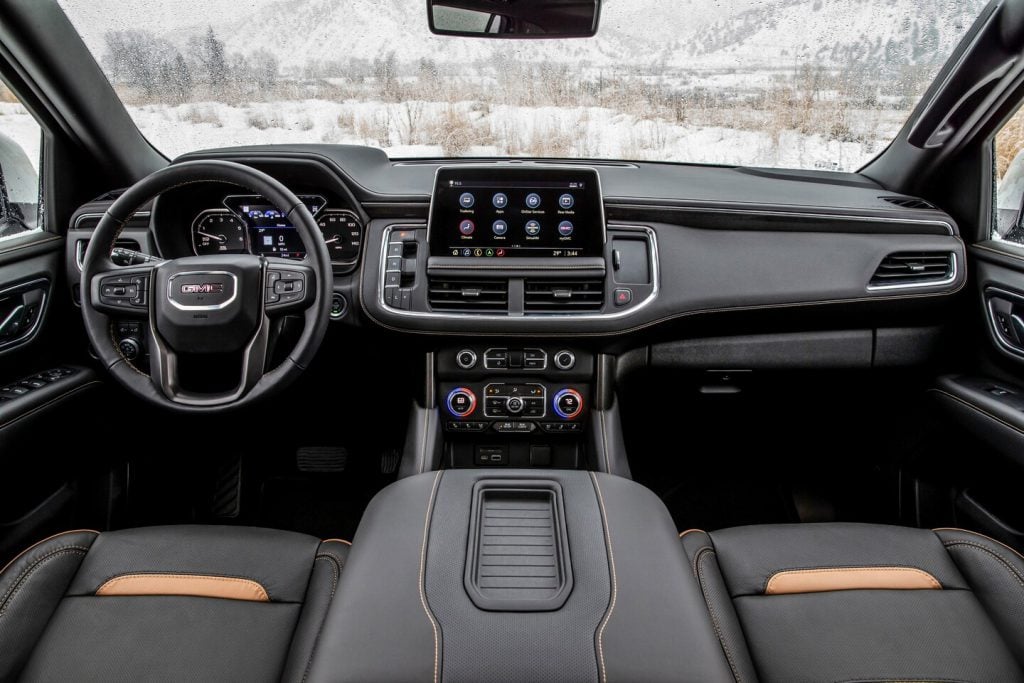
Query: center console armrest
(613,599)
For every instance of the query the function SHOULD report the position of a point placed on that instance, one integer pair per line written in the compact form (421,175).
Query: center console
(514,406)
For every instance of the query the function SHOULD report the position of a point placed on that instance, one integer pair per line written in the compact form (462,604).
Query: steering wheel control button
(568,404)
(124,291)
(466,359)
(461,402)
(623,297)
(565,360)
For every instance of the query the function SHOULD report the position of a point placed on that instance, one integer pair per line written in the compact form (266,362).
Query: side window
(20,160)
(1009,154)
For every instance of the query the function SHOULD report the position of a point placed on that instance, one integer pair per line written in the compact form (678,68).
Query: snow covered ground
(419,129)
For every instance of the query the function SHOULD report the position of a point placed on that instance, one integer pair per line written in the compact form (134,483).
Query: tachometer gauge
(343,234)
(217,231)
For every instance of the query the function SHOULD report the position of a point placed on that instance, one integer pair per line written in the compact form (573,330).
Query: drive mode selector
(461,402)
(568,404)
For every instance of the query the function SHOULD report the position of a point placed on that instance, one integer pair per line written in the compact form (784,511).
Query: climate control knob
(514,405)
(568,404)
(461,402)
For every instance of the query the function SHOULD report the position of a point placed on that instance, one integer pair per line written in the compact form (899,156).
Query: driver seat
(167,603)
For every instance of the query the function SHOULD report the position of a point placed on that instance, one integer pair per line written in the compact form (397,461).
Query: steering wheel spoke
(288,287)
(123,291)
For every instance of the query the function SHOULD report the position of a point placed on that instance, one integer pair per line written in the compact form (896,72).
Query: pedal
(389,461)
(321,459)
(226,501)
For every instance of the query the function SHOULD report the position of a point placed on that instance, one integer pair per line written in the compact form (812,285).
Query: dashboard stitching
(669,318)
(997,252)
(422,574)
(615,584)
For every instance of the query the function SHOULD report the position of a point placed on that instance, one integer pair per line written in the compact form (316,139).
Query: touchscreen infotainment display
(505,212)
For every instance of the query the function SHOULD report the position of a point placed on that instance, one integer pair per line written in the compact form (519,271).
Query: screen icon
(489,252)
(500,200)
(532,200)
(532,228)
(467,252)
(566,201)
(499,227)
(499,252)
(467,200)
(478,252)
(565,228)
(467,227)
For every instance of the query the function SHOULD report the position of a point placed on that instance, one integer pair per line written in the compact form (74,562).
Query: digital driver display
(533,212)
(270,232)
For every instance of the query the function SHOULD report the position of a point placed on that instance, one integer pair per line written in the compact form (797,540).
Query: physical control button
(568,404)
(129,348)
(339,305)
(514,405)
(565,360)
(461,402)
(466,359)
(623,296)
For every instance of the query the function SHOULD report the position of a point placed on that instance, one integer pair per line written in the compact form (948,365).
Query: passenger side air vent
(909,203)
(468,296)
(563,296)
(914,268)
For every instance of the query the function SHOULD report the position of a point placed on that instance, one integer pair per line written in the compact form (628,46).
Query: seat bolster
(995,573)
(31,587)
(278,561)
(750,556)
(323,584)
(700,553)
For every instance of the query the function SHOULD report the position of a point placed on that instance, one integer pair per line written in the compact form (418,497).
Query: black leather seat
(854,602)
(167,603)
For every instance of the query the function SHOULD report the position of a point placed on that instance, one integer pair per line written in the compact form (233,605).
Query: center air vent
(914,268)
(468,296)
(563,296)
(909,203)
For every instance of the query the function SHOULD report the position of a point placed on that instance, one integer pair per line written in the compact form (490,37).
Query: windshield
(821,84)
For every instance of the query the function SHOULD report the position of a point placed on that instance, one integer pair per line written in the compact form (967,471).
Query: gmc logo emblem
(204,288)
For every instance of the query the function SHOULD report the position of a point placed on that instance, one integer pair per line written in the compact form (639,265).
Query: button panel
(400,269)
(515,400)
(515,359)
(130,290)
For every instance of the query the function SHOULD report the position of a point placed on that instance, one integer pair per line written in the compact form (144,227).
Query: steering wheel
(203,305)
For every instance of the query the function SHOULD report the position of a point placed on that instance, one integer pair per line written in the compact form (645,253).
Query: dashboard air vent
(468,296)
(563,296)
(913,268)
(909,203)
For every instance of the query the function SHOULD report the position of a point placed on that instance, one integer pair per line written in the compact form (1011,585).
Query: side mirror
(19,189)
(514,18)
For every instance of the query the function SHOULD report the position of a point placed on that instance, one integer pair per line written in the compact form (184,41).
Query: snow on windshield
(822,84)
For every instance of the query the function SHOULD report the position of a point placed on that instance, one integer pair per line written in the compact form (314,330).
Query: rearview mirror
(514,18)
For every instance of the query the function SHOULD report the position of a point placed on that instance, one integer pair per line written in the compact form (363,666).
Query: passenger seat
(168,604)
(856,602)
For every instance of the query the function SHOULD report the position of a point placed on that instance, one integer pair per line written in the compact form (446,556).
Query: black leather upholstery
(403,614)
(970,630)
(54,625)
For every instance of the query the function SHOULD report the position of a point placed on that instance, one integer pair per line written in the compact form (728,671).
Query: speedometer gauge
(218,232)
(343,234)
